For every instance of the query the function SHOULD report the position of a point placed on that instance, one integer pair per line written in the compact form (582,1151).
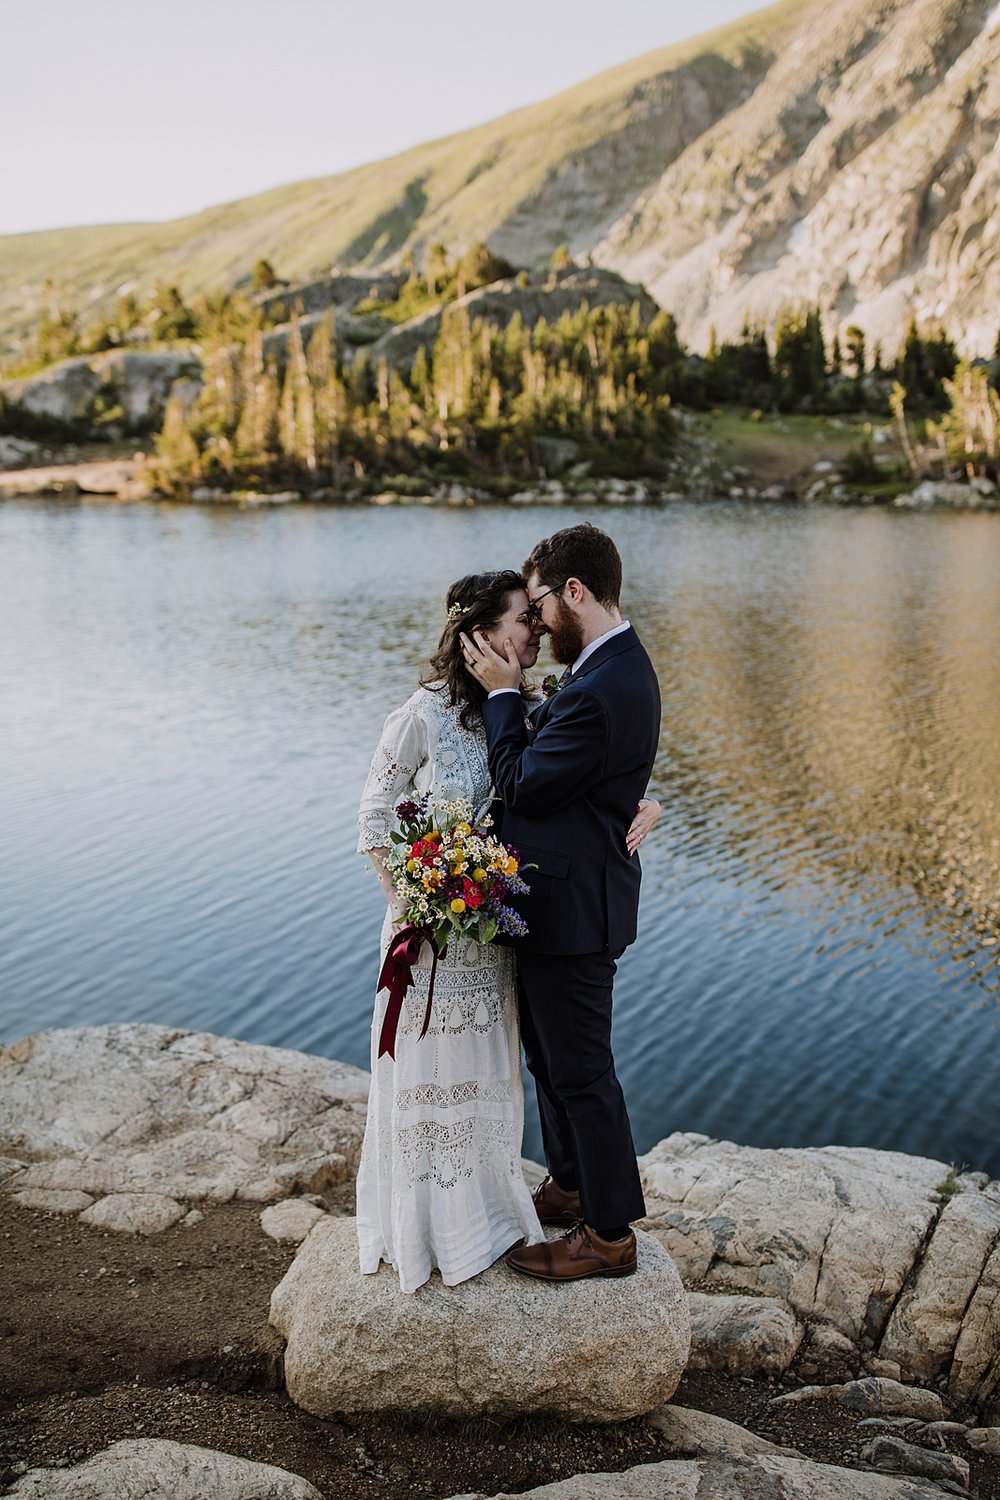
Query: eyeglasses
(533,611)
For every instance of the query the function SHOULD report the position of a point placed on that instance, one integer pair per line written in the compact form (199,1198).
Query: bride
(440,1184)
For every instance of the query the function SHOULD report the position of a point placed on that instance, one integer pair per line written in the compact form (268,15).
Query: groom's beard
(565,636)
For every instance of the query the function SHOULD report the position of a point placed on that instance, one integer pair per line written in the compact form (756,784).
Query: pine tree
(438,270)
(178,462)
(971,427)
(263,275)
(856,351)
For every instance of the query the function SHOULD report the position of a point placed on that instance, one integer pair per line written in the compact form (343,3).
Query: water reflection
(838,727)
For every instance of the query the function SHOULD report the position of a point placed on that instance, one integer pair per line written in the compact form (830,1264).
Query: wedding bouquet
(453,874)
(456,878)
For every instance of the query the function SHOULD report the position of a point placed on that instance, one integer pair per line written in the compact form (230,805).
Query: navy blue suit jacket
(569,782)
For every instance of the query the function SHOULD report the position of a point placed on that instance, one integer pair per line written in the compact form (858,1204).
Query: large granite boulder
(599,1351)
(761,1476)
(128,1111)
(144,1467)
(893,1253)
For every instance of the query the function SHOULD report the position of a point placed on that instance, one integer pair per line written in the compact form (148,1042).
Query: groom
(569,781)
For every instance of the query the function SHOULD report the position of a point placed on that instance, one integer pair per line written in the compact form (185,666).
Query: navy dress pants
(565,1012)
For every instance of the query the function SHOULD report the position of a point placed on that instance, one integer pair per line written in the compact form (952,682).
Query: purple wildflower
(511,923)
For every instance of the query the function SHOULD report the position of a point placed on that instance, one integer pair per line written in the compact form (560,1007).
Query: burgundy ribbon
(397,976)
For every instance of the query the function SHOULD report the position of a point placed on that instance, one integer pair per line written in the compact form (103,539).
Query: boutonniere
(550,685)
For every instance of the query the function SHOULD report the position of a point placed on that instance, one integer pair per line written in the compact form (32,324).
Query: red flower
(472,895)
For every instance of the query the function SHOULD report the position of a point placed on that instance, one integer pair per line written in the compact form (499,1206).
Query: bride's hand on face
(644,821)
(493,667)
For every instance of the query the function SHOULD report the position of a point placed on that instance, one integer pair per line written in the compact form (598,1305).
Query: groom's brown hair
(585,552)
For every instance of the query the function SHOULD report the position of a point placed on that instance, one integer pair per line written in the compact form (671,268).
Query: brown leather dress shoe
(575,1255)
(553,1206)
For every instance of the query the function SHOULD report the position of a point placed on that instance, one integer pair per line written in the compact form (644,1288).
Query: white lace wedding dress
(440,1182)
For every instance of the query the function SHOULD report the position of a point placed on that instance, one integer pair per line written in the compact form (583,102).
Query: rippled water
(189,703)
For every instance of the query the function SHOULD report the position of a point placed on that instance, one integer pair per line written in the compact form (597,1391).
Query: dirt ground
(107,1336)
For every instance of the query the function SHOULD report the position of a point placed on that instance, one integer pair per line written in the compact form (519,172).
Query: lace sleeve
(401,751)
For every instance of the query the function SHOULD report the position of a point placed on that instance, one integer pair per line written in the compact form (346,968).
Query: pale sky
(116,110)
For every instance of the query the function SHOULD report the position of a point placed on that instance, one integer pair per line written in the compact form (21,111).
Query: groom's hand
(487,667)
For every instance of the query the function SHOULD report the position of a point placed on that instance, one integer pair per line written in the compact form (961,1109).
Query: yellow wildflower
(479,874)
(458,905)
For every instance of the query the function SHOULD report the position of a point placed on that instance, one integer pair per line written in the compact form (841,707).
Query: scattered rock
(140,1468)
(934,494)
(54,1201)
(829,1353)
(892,1455)
(134,1213)
(910,1424)
(938,1431)
(877,1397)
(601,1351)
(291,1219)
(984,1440)
(744,1335)
(809,1393)
(698,1434)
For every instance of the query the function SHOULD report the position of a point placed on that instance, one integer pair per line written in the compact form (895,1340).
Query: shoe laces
(579,1231)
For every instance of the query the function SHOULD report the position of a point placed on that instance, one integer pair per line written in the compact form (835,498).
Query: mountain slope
(559,171)
(846,154)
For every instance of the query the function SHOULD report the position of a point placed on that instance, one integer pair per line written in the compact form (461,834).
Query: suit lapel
(617,644)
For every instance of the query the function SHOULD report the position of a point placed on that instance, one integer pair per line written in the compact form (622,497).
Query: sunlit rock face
(862,173)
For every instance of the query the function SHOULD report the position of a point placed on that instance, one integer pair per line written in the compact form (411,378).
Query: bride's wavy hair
(477,602)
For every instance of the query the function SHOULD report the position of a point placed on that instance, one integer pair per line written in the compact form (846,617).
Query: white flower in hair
(458,610)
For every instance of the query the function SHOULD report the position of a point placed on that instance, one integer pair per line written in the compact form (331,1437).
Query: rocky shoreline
(843,1303)
(126,480)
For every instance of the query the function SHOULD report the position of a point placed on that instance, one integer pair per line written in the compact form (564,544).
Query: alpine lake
(191,697)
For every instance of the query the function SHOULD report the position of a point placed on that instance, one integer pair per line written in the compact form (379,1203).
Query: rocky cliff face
(863,173)
(846,154)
